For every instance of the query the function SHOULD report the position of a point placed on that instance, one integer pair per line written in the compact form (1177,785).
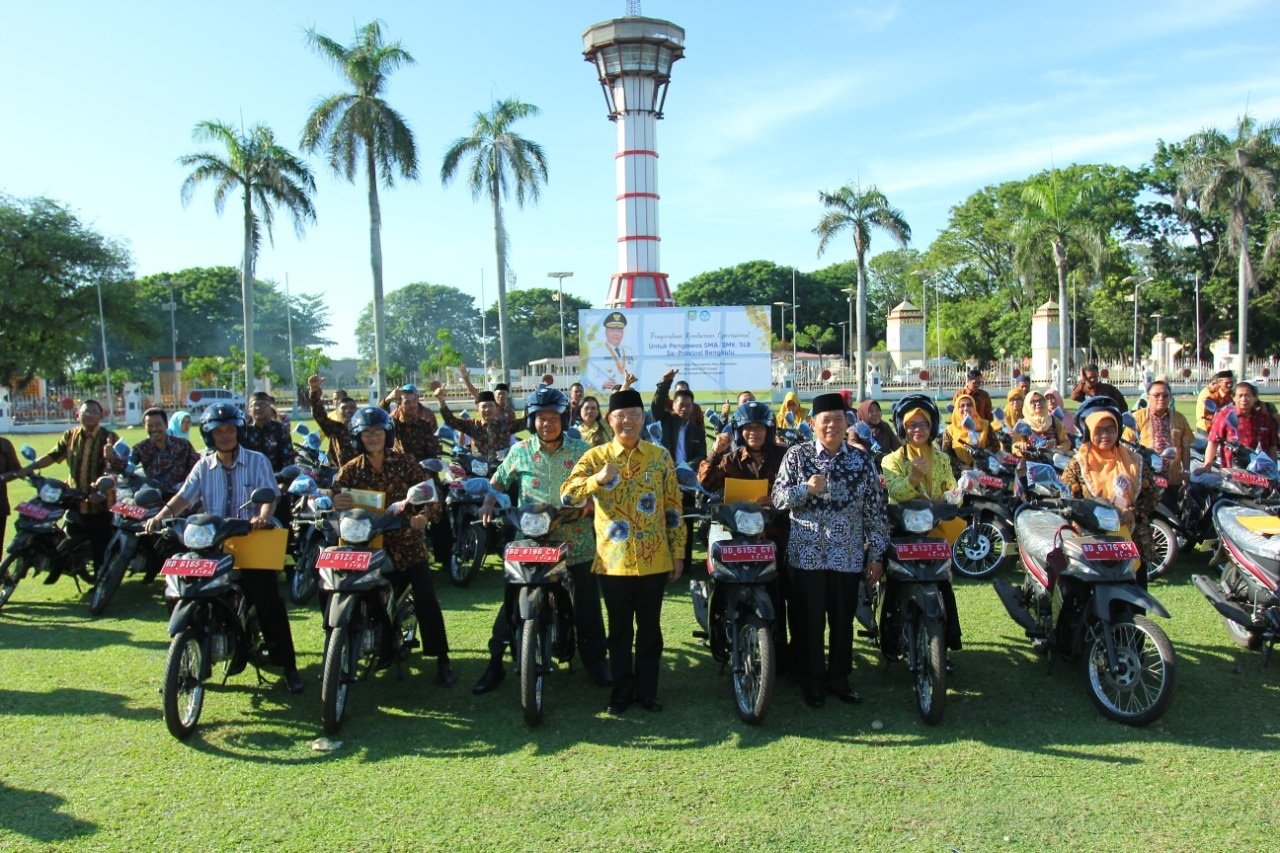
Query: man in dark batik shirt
(266,435)
(334,426)
(490,434)
(166,459)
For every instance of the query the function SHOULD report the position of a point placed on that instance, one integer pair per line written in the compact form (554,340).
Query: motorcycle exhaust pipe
(1011,598)
(1210,590)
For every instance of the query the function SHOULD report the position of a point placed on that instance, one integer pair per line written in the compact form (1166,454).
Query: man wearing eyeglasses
(1159,426)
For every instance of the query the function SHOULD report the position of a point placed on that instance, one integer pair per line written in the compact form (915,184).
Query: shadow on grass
(38,815)
(70,702)
(62,625)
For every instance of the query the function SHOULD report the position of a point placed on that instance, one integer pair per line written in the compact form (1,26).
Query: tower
(633,58)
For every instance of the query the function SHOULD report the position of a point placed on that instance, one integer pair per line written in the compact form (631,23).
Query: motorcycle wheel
(984,547)
(302,584)
(533,666)
(754,669)
(1143,688)
(468,553)
(183,691)
(335,679)
(9,577)
(931,672)
(1165,540)
(113,568)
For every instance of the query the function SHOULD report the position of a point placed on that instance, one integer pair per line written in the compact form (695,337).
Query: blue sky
(773,102)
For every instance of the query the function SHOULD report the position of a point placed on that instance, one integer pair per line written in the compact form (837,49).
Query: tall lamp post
(172,308)
(106,368)
(293,369)
(783,331)
(1136,284)
(849,292)
(844,341)
(560,277)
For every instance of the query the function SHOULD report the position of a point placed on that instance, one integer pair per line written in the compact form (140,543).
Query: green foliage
(51,265)
(228,371)
(416,314)
(533,324)
(816,338)
(310,360)
(442,355)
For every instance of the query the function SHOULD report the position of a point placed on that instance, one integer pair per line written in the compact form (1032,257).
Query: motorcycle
(733,606)
(1167,532)
(131,549)
(987,543)
(367,626)
(471,540)
(542,623)
(1081,601)
(313,461)
(1247,594)
(312,531)
(40,544)
(211,620)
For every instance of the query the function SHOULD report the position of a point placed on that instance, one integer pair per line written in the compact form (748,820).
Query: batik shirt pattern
(540,476)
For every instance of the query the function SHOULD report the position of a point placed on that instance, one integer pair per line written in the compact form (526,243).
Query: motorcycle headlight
(50,494)
(479,468)
(917,520)
(1157,464)
(748,523)
(993,465)
(1108,518)
(355,530)
(535,524)
(197,537)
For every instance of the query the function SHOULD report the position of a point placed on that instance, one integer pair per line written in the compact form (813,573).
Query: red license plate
(1109,550)
(345,561)
(189,568)
(922,550)
(35,511)
(1250,479)
(535,553)
(991,482)
(1162,482)
(748,553)
(129,510)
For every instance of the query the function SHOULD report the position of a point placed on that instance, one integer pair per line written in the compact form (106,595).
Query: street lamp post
(293,368)
(844,340)
(106,368)
(1136,284)
(560,277)
(172,308)
(782,331)
(795,327)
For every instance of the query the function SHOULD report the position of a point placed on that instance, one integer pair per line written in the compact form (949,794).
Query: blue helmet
(910,403)
(546,397)
(1092,406)
(370,417)
(217,415)
(753,412)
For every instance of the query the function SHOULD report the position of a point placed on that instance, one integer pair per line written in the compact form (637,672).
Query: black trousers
(820,598)
(588,621)
(440,535)
(635,612)
(97,527)
(426,606)
(263,589)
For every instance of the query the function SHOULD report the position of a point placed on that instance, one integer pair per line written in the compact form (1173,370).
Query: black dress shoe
(844,694)
(617,706)
(491,678)
(814,698)
(651,705)
(293,681)
(444,674)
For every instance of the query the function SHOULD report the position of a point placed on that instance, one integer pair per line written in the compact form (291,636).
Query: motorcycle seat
(1264,549)
(1037,530)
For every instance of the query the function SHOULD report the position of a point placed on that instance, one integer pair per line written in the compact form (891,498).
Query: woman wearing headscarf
(916,471)
(1044,426)
(792,414)
(180,425)
(957,439)
(869,414)
(1105,470)
(594,429)
(1058,409)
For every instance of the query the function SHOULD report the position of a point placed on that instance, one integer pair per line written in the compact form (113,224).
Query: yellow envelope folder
(261,549)
(737,489)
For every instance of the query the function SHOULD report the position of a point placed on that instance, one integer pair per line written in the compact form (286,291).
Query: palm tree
(501,162)
(1235,178)
(859,211)
(360,126)
(267,175)
(1060,219)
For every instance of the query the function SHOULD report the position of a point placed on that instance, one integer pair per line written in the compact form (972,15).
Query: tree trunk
(860,368)
(500,247)
(1060,264)
(246,293)
(375,261)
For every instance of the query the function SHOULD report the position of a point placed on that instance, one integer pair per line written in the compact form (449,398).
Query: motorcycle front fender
(990,507)
(19,544)
(926,598)
(182,616)
(531,601)
(340,609)
(124,544)
(1106,597)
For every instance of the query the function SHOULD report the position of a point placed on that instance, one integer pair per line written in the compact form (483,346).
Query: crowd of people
(826,495)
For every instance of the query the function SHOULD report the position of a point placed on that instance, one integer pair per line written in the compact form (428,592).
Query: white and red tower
(633,57)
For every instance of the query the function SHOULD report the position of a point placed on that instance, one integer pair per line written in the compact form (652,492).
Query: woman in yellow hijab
(1049,430)
(791,414)
(957,439)
(1105,470)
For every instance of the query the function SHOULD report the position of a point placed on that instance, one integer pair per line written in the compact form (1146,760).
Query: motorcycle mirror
(1058,412)
(685,475)
(1210,406)
(1061,461)
(476,486)
(104,484)
(289,473)
(432,465)
(303,485)
(262,496)
(715,420)
(949,408)
(423,493)
(121,448)
(301,429)
(446,433)
(998,414)
(791,418)
(313,441)
(567,501)
(1168,453)
(1233,419)
(1129,422)
(28,453)
(572,432)
(322,503)
(805,431)
(863,431)
(969,423)
(654,431)
(1022,428)
(504,501)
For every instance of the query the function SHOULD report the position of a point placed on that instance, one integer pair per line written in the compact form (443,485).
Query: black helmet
(546,397)
(753,412)
(917,401)
(1092,406)
(217,415)
(370,417)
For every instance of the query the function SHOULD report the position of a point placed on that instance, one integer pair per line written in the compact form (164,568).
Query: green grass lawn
(1021,762)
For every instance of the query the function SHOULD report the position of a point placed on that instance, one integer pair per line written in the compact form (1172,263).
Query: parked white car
(201,398)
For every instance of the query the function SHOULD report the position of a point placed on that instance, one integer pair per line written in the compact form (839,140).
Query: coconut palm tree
(1235,178)
(1058,219)
(501,162)
(267,175)
(359,128)
(858,212)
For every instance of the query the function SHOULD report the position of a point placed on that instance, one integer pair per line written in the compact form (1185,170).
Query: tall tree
(1236,178)
(501,163)
(1057,218)
(416,314)
(267,175)
(360,126)
(859,212)
(533,324)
